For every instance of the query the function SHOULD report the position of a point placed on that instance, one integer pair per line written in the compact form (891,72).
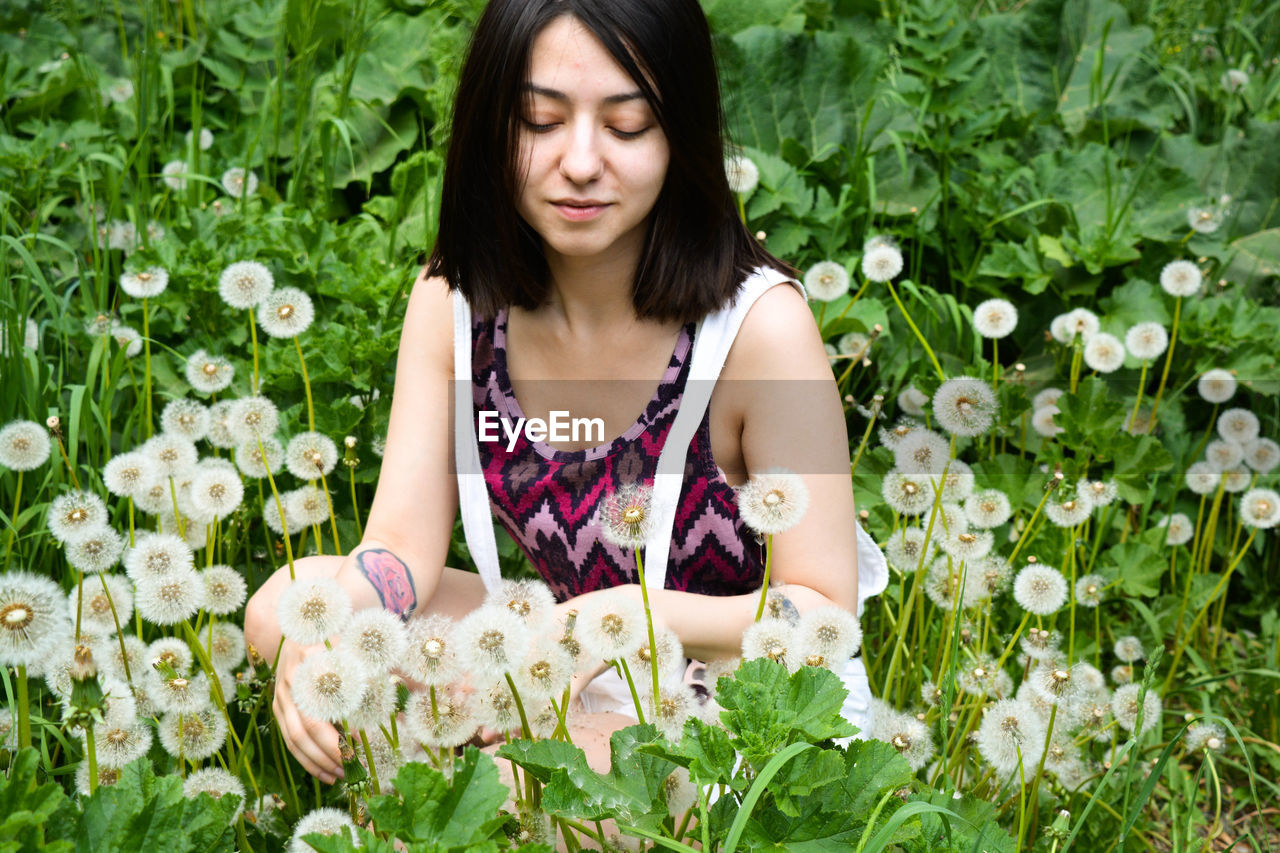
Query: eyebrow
(557,95)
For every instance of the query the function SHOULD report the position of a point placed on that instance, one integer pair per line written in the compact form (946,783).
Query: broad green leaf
(26,806)
(1139,567)
(428,808)
(765,709)
(1254,257)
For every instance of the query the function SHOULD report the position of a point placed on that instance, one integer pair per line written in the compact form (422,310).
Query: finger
(325,737)
(310,755)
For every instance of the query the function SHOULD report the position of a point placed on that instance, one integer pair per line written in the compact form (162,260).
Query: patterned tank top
(548,499)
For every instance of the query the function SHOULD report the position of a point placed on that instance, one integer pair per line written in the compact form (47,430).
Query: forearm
(711,626)
(378,575)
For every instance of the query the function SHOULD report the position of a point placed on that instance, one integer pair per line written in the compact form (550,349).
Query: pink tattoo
(391,578)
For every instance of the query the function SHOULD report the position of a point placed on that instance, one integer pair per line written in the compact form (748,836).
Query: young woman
(588,233)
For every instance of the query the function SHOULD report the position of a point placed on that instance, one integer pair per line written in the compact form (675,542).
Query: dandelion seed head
(1203,478)
(890,436)
(530,600)
(965,406)
(174,455)
(827,636)
(907,494)
(1079,321)
(173,174)
(447,722)
(143,284)
(922,452)
(310,455)
(127,338)
(1260,508)
(216,493)
(208,373)
(881,260)
(1069,509)
(194,736)
(907,548)
(1089,589)
(1239,426)
(610,627)
(957,485)
(910,737)
(1216,385)
(181,694)
(377,639)
(742,174)
(258,457)
(24,446)
(1040,644)
(1223,455)
(995,318)
(94,602)
(431,657)
(307,505)
(238,183)
(491,641)
(286,312)
(769,638)
(1129,649)
(327,685)
(1011,736)
(95,551)
(912,401)
(1098,492)
(968,546)
(244,284)
(1233,80)
(1262,455)
(826,281)
(1104,353)
(1180,278)
(170,598)
(173,651)
(74,514)
(1126,708)
(1178,528)
(1146,340)
(126,474)
(225,590)
(311,609)
(155,555)
(626,516)
(375,706)
(773,501)
(217,783)
(1208,736)
(219,431)
(32,618)
(1040,589)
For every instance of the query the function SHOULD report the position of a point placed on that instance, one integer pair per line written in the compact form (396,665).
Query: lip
(579,210)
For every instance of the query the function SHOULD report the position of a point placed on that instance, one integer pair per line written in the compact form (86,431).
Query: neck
(593,294)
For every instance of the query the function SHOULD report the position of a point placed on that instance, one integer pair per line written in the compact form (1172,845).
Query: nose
(582,160)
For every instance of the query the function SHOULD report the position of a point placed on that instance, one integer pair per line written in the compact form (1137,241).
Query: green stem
(146,370)
(253,336)
(306,386)
(928,349)
(333,520)
(764,586)
(648,618)
(24,709)
(1137,403)
(91,755)
(13,521)
(1168,360)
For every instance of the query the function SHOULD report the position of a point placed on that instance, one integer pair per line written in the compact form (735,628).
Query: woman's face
(592,156)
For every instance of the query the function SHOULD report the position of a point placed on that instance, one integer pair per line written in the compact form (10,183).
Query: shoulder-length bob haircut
(696,249)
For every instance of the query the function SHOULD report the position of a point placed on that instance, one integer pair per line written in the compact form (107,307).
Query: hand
(313,742)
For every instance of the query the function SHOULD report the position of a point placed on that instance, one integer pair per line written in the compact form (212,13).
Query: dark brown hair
(696,249)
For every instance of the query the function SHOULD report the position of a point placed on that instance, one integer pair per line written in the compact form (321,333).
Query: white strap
(711,346)
(473,494)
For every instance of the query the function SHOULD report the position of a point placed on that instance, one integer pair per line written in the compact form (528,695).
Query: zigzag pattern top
(548,499)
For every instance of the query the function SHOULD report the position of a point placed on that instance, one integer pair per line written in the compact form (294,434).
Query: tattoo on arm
(390,577)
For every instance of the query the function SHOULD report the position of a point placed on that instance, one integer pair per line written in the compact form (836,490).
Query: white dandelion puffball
(1202,735)
(170,598)
(912,401)
(826,280)
(1262,455)
(120,90)
(531,600)
(227,651)
(327,685)
(1129,649)
(626,516)
(219,432)
(1126,708)
(1260,508)
(306,505)
(309,610)
(773,501)
(910,737)
(491,641)
(432,654)
(310,455)
(285,312)
(95,600)
(1203,221)
(965,406)
(1178,529)
(995,318)
(194,736)
(244,284)
(95,551)
(826,637)
(988,508)
(121,235)
(239,183)
(1069,510)
(173,651)
(180,694)
(1216,385)
(186,418)
(611,626)
(881,260)
(173,175)
(224,590)
(1012,735)
(322,821)
(907,494)
(1180,278)
(1082,322)
(922,452)
(1047,397)
(127,338)
(146,283)
(1098,492)
(24,445)
(127,474)
(1089,590)
(208,373)
(546,670)
(674,705)
(1104,353)
(74,514)
(1223,455)
(774,639)
(1238,425)
(215,494)
(173,454)
(908,548)
(117,745)
(1203,478)
(217,783)
(1146,340)
(250,418)
(445,719)
(1042,421)
(33,618)
(257,458)
(206,138)
(1234,80)
(376,638)
(1040,589)
(742,174)
(271,516)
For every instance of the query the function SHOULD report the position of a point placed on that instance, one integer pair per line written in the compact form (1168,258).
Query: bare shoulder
(428,321)
(778,339)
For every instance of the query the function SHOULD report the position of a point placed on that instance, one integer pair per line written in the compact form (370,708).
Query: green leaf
(1138,459)
(765,709)
(432,810)
(1254,258)
(1139,567)
(26,806)
(1091,416)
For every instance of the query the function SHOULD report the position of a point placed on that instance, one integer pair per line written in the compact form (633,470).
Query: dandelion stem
(284,524)
(24,709)
(648,619)
(621,665)
(1044,753)
(306,386)
(253,336)
(115,619)
(928,349)
(333,519)
(1142,381)
(91,755)
(355,505)
(515,694)
(146,365)
(764,585)
(13,521)
(368,755)
(866,435)
(1168,360)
